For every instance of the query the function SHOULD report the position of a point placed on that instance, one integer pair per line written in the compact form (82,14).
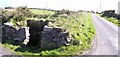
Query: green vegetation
(45,14)
(17,16)
(80,27)
(111,19)
(35,11)
(7,15)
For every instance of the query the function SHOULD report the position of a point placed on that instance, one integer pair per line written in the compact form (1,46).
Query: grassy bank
(111,19)
(81,29)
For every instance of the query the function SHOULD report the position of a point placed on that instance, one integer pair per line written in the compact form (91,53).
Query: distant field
(35,11)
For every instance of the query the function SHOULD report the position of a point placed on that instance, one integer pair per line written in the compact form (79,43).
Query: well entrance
(36,28)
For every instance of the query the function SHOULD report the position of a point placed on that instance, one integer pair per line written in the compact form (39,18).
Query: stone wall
(40,33)
(47,37)
(12,33)
(9,31)
(36,27)
(54,37)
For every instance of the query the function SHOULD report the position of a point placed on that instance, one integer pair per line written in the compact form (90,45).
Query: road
(5,51)
(107,37)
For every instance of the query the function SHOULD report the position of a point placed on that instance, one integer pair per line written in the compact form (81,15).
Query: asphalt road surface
(107,37)
(5,51)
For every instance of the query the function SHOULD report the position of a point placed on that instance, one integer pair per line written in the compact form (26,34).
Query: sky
(64,4)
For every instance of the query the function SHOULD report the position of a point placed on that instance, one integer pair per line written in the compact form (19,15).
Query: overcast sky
(66,4)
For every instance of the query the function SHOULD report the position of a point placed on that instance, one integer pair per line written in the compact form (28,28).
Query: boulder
(54,38)
(17,41)
(58,29)
(23,33)
(9,32)
(18,35)
(46,28)
(36,28)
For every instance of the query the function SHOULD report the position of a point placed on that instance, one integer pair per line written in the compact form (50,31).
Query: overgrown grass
(80,27)
(111,19)
(35,11)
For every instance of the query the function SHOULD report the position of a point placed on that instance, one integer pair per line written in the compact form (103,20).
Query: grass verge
(111,19)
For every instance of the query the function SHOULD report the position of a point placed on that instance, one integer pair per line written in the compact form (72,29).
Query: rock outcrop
(18,35)
(36,28)
(39,33)
(54,37)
